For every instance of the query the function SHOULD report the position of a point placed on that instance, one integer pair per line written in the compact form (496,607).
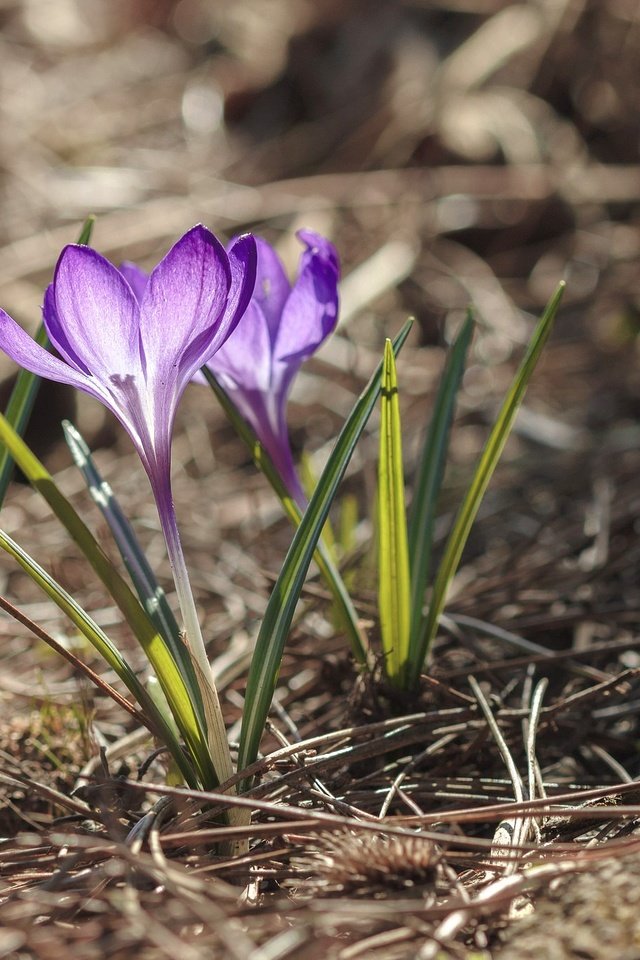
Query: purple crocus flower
(133,347)
(284,324)
(135,343)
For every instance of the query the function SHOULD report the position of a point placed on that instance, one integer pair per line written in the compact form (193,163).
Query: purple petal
(184,301)
(319,246)
(23,349)
(243,260)
(57,334)
(281,327)
(266,415)
(244,360)
(148,420)
(136,278)
(272,286)
(98,313)
(311,312)
(17,344)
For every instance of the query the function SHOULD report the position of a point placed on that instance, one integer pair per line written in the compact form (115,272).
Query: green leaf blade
(480,481)
(429,478)
(84,239)
(393,553)
(101,642)
(150,593)
(265,664)
(343,604)
(182,697)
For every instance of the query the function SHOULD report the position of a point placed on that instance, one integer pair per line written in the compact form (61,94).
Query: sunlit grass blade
(265,664)
(343,604)
(23,396)
(394,593)
(309,482)
(484,471)
(101,642)
(181,696)
(151,594)
(429,478)
(347,539)
(348,523)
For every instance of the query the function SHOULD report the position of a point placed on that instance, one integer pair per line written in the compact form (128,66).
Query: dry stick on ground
(48,793)
(512,832)
(522,643)
(318,788)
(301,820)
(413,763)
(534,774)
(611,762)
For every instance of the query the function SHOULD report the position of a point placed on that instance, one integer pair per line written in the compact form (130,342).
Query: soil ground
(455,151)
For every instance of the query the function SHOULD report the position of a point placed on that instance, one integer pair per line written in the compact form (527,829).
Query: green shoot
(265,665)
(479,483)
(393,555)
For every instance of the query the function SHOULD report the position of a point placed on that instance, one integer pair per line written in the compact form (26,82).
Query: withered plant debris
(365,865)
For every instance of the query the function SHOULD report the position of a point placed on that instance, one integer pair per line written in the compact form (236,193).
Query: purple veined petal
(148,420)
(281,452)
(265,412)
(136,278)
(57,335)
(311,312)
(185,298)
(281,327)
(183,302)
(272,286)
(245,358)
(243,262)
(24,350)
(95,307)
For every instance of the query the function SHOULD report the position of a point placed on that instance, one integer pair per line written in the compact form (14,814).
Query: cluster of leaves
(179,705)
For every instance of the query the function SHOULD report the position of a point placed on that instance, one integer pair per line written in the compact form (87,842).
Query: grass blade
(484,471)
(183,699)
(87,229)
(23,396)
(265,664)
(99,640)
(429,479)
(394,594)
(151,594)
(309,481)
(343,604)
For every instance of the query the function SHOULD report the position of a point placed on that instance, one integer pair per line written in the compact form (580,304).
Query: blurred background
(455,151)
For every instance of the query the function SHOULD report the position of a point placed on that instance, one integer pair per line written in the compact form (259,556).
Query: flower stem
(217,734)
